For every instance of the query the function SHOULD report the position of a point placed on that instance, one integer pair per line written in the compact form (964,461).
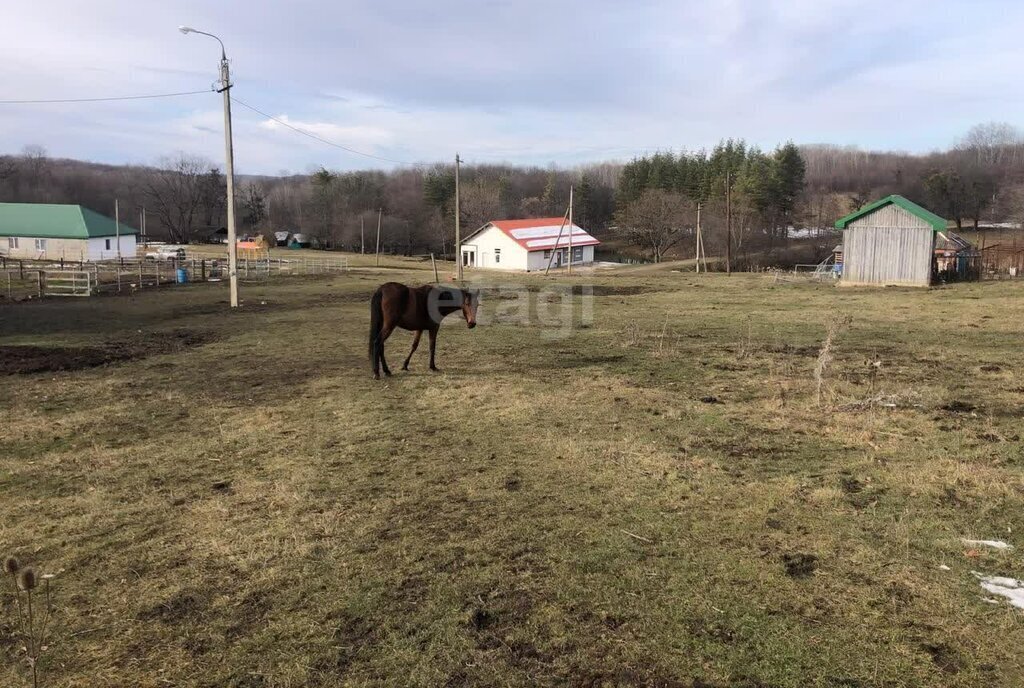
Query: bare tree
(176,193)
(656,220)
(989,143)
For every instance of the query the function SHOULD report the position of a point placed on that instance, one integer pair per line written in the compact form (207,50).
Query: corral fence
(21,279)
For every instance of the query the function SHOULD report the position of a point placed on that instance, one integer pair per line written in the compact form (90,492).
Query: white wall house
(527,245)
(50,231)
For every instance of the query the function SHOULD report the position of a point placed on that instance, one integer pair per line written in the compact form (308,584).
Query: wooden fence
(22,279)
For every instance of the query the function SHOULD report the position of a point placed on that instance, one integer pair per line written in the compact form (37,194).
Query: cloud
(531,82)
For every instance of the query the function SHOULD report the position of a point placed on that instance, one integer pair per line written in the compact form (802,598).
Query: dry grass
(656,500)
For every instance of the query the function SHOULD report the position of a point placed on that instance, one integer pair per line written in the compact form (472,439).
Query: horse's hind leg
(385,332)
(415,343)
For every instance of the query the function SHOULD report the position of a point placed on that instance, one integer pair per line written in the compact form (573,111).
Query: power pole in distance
(117,228)
(728,222)
(570,229)
(380,212)
(362,235)
(698,237)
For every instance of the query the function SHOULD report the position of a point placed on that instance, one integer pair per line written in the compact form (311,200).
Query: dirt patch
(799,564)
(24,360)
(945,657)
(959,406)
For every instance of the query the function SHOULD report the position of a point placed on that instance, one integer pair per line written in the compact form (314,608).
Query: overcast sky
(523,81)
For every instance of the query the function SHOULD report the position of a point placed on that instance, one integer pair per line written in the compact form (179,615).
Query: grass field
(658,497)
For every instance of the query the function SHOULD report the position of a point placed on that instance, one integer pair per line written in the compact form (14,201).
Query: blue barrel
(182,276)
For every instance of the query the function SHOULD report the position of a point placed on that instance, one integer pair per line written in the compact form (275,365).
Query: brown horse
(417,309)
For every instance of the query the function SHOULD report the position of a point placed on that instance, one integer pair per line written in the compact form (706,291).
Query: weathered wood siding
(889,246)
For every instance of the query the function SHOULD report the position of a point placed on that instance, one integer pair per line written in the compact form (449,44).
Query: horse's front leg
(415,343)
(433,347)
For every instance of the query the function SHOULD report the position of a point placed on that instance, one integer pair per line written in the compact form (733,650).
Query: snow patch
(1010,588)
(994,544)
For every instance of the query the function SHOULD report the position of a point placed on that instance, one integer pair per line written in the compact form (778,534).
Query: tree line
(750,199)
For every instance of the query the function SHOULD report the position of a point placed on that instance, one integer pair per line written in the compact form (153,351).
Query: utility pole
(225,86)
(728,222)
(117,228)
(362,235)
(698,237)
(142,223)
(458,233)
(229,150)
(380,212)
(570,229)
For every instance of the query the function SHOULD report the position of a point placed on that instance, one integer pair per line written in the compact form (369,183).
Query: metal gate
(68,282)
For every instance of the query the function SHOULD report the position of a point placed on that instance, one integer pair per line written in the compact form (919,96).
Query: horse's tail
(376,319)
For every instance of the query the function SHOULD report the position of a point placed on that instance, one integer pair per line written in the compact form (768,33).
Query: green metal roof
(56,221)
(937,223)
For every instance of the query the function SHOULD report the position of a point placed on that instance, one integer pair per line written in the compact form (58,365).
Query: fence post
(8,284)
(141,261)
(21,269)
(39,283)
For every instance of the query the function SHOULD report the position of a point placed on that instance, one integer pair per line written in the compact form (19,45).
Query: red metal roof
(541,233)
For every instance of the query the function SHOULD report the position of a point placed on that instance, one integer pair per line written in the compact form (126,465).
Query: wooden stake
(433,264)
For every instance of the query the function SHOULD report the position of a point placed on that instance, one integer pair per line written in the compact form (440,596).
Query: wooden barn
(890,242)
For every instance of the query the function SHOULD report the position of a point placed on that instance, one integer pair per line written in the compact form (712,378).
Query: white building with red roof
(527,245)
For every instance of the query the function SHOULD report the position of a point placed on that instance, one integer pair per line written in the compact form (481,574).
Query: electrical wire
(327,142)
(100,100)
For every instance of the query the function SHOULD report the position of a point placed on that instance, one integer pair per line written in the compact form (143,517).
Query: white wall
(70,249)
(513,256)
(98,247)
(537,260)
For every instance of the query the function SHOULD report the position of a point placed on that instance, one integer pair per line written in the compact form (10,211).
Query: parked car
(166,253)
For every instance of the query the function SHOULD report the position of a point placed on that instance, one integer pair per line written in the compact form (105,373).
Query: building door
(468,258)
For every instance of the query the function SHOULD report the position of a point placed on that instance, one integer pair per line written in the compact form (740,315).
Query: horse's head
(470,302)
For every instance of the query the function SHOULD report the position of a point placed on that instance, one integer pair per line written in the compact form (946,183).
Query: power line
(325,141)
(100,100)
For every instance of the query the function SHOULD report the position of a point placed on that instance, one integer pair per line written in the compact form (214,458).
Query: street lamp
(225,86)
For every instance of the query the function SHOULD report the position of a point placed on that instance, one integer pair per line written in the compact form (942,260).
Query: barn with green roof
(51,231)
(890,242)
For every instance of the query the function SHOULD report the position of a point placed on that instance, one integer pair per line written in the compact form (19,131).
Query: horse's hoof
(376,376)
(405,368)
(387,373)
(436,370)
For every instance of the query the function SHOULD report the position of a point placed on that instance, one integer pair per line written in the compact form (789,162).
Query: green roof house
(890,242)
(51,231)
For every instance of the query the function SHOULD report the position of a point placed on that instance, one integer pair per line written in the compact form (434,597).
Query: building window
(577,255)
(497,256)
(40,244)
(12,242)
(547,253)
(107,245)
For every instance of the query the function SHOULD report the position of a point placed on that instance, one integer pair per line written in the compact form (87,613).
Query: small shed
(956,259)
(890,242)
